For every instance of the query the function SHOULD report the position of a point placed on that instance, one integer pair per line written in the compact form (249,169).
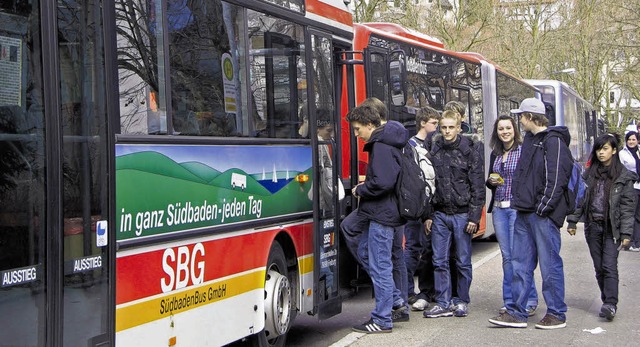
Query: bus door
(375,69)
(327,191)
(385,75)
(82,153)
(54,258)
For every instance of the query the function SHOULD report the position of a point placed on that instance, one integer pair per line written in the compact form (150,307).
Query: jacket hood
(560,131)
(392,133)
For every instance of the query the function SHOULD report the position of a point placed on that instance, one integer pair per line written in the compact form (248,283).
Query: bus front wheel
(278,299)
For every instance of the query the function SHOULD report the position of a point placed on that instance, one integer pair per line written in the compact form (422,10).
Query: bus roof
(399,30)
(332,12)
(498,67)
(401,34)
(554,83)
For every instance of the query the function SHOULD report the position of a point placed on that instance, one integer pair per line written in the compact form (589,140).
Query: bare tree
(461,25)
(402,12)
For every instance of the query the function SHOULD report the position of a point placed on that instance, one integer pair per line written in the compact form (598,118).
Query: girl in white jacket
(630,157)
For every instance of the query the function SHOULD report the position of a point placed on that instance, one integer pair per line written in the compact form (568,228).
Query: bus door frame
(326,231)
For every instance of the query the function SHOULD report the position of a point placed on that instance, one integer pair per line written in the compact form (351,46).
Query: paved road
(582,297)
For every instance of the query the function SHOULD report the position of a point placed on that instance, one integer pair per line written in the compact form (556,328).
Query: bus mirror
(397,79)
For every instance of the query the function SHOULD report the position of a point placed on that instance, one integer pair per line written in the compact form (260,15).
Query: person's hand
(472,228)
(571,231)
(427,226)
(625,243)
(353,190)
(493,181)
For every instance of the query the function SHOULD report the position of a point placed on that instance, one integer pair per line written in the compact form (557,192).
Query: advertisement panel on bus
(169,289)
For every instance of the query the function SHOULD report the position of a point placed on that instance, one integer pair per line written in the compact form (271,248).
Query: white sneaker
(420,305)
(634,249)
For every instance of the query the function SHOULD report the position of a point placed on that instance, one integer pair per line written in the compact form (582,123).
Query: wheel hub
(277,304)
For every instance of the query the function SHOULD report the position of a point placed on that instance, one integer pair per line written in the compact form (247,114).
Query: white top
(627,159)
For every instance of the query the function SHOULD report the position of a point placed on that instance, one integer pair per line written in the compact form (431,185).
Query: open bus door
(323,88)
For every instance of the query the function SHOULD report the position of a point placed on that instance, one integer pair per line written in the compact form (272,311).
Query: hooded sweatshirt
(378,200)
(542,175)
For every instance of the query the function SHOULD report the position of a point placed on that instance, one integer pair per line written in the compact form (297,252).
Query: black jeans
(635,238)
(604,253)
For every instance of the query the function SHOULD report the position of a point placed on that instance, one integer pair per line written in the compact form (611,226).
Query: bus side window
(277,76)
(550,113)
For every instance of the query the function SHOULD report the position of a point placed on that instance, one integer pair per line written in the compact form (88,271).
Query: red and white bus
(162,168)
(408,70)
(165,163)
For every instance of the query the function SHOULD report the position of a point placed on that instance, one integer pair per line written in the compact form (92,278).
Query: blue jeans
(444,228)
(355,229)
(503,223)
(381,268)
(536,239)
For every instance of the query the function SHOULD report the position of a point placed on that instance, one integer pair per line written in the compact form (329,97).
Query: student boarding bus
(566,107)
(160,181)
(408,70)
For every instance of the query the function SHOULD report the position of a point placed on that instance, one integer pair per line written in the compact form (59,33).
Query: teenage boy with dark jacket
(378,204)
(457,205)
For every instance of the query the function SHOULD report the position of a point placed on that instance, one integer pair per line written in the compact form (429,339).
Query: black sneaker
(550,322)
(400,315)
(369,327)
(507,320)
(412,299)
(608,311)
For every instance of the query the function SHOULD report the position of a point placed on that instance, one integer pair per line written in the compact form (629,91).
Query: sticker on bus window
(101,233)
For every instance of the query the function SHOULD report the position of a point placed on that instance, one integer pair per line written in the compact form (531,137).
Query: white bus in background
(566,107)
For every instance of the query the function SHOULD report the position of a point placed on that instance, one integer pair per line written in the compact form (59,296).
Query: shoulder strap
(415,142)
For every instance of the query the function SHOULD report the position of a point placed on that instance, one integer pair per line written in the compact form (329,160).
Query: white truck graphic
(238,180)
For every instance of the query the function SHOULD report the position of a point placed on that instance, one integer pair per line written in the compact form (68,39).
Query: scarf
(606,174)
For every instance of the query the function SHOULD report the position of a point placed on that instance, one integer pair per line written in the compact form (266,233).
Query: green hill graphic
(201,170)
(156,163)
(138,192)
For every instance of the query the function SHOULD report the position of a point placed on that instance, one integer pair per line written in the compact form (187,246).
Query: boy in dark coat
(379,205)
(457,205)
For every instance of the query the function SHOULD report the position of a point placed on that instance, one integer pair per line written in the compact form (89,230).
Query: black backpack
(411,188)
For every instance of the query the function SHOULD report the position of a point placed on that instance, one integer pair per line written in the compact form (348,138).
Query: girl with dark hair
(505,142)
(608,215)
(630,157)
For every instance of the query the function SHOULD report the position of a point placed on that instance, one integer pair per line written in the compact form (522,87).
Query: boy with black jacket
(378,204)
(457,205)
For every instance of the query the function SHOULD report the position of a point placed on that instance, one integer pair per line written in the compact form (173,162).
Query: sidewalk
(581,295)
